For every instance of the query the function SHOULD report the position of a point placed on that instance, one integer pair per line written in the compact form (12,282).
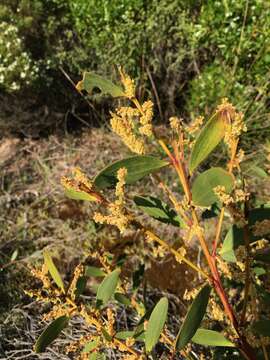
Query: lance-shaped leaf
(91,80)
(209,137)
(137,167)
(261,327)
(51,333)
(124,335)
(158,210)
(107,288)
(79,195)
(193,318)
(203,187)
(53,270)
(156,323)
(211,338)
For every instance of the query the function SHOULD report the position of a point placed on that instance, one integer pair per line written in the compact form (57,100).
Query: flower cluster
(117,215)
(128,83)
(16,66)
(123,124)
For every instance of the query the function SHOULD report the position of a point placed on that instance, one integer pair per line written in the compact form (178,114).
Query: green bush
(236,38)
(186,55)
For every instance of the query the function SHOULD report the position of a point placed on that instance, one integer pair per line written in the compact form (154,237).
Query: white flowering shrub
(16,66)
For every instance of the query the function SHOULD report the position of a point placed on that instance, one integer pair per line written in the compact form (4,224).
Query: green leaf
(202,188)
(107,288)
(156,323)
(193,318)
(50,333)
(124,335)
(211,338)
(209,137)
(122,299)
(79,195)
(80,286)
(106,335)
(233,239)
(259,271)
(261,327)
(91,81)
(53,270)
(158,210)
(137,167)
(97,356)
(91,345)
(94,271)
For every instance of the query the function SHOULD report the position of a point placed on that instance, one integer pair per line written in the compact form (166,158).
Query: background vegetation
(185,54)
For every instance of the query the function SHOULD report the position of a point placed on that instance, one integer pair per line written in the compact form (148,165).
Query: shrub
(230,304)
(187,55)
(16,67)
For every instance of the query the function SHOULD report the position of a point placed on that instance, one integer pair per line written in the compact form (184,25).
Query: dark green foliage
(193,52)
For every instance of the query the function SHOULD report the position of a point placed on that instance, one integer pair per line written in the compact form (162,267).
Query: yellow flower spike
(117,215)
(72,288)
(81,184)
(128,84)
(121,177)
(80,177)
(122,124)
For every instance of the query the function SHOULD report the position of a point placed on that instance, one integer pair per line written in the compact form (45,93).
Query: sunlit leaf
(91,80)
(158,210)
(209,137)
(107,288)
(156,323)
(137,167)
(124,335)
(51,333)
(91,345)
(211,338)
(53,270)
(79,195)
(202,187)
(193,318)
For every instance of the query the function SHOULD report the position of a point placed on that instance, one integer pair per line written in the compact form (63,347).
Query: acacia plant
(230,307)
